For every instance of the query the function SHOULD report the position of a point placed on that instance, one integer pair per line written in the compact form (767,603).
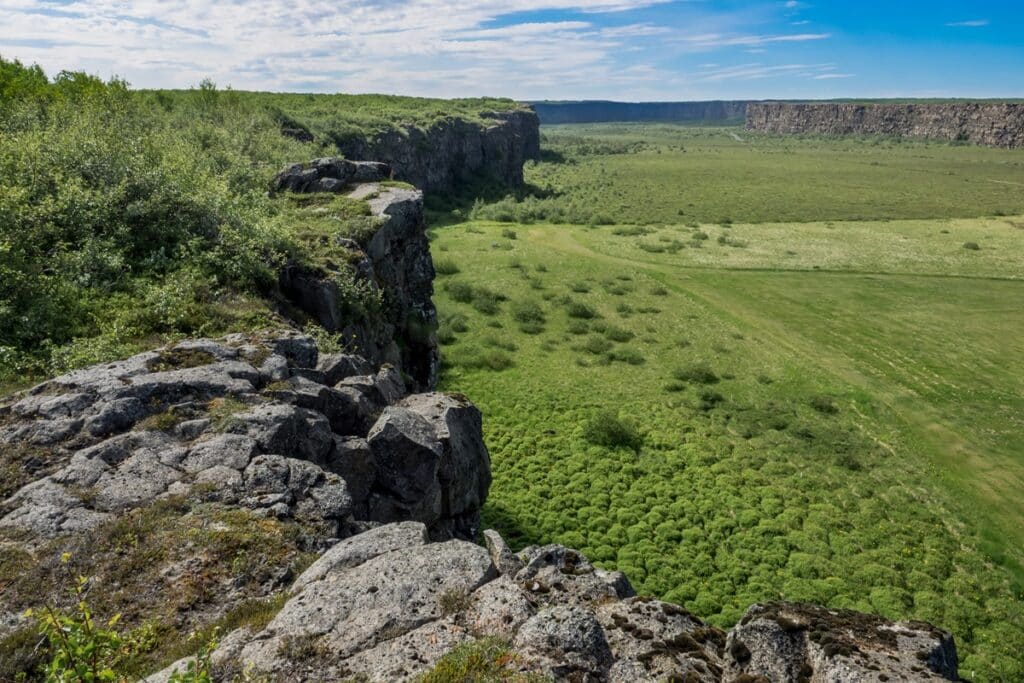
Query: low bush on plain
(606,428)
(696,373)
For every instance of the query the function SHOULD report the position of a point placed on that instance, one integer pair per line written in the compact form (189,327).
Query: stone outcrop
(982,123)
(454,151)
(386,605)
(394,260)
(261,423)
(596,111)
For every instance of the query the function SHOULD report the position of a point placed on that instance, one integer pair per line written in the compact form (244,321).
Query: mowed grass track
(860,444)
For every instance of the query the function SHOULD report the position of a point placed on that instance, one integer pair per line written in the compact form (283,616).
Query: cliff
(323,515)
(996,125)
(596,111)
(394,260)
(438,158)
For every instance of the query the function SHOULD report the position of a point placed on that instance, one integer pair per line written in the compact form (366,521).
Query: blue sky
(536,49)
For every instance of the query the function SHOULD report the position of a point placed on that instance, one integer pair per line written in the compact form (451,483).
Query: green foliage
(972,246)
(741,490)
(445,266)
(606,428)
(81,650)
(696,373)
(489,660)
(129,217)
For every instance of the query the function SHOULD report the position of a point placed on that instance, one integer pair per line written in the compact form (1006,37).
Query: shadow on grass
(515,530)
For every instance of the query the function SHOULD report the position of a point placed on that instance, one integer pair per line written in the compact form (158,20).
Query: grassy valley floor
(826,410)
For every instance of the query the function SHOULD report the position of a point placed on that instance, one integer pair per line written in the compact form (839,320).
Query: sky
(635,50)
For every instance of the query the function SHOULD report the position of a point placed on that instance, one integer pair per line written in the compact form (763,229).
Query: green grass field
(658,173)
(827,410)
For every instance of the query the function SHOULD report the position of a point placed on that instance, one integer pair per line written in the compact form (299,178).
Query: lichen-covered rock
(386,605)
(349,610)
(565,641)
(247,421)
(328,175)
(812,644)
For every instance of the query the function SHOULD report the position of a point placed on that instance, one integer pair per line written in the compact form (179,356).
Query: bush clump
(696,373)
(578,309)
(606,428)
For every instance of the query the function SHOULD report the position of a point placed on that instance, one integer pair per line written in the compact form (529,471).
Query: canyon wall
(982,123)
(455,151)
(597,111)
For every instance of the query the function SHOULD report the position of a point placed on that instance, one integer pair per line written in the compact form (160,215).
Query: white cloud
(714,40)
(518,48)
(972,23)
(823,77)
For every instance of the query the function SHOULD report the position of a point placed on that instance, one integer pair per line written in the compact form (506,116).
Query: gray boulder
(328,175)
(349,610)
(796,642)
(565,642)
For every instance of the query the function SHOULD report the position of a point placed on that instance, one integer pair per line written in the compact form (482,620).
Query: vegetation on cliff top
(127,218)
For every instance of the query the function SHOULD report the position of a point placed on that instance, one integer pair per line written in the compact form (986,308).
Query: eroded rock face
(996,125)
(251,422)
(794,642)
(454,151)
(396,261)
(386,605)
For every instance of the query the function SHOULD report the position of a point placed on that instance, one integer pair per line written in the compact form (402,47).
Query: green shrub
(459,291)
(972,246)
(596,345)
(509,234)
(617,334)
(606,428)
(578,309)
(626,355)
(696,373)
(445,266)
(531,327)
(528,312)
(824,404)
(578,327)
(708,399)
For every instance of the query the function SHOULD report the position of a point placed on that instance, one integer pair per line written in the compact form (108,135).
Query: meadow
(659,173)
(815,397)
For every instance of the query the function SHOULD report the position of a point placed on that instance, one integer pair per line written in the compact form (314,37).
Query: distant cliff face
(453,151)
(596,111)
(996,125)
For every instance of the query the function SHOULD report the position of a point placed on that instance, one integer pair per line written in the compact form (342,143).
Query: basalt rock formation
(982,123)
(454,151)
(596,111)
(394,259)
